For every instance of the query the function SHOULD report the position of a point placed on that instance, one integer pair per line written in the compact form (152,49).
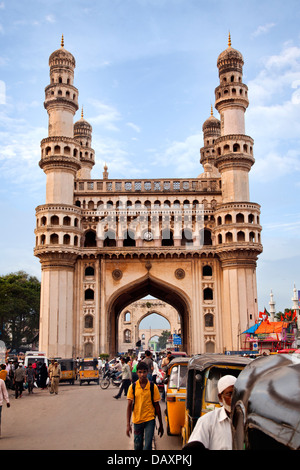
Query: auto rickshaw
(204,372)
(176,394)
(266,404)
(88,371)
(68,369)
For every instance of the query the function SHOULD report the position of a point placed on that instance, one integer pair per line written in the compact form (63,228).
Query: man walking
(148,360)
(126,377)
(143,404)
(30,378)
(19,378)
(3,396)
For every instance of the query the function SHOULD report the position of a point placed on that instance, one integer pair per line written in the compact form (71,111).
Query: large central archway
(148,285)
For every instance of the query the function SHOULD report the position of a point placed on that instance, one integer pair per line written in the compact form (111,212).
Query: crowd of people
(139,384)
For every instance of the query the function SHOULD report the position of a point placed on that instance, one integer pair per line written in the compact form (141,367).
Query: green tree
(19,308)
(163,338)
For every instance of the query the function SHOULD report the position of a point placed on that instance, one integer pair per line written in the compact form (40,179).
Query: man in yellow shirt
(143,404)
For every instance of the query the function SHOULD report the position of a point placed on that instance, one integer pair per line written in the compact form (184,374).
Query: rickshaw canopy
(266,404)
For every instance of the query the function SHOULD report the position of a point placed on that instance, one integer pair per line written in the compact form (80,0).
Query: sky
(146,74)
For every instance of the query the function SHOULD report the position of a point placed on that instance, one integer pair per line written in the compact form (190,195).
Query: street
(78,418)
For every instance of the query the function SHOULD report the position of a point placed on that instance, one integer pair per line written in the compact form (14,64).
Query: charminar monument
(104,243)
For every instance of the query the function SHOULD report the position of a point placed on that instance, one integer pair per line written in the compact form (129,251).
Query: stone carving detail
(117,274)
(180,273)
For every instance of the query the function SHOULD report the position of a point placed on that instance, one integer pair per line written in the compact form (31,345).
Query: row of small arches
(167,238)
(232,92)
(235,148)
(240,237)
(239,219)
(55,220)
(58,150)
(109,205)
(60,94)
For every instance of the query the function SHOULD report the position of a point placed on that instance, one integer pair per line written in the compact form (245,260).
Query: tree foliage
(19,308)
(163,338)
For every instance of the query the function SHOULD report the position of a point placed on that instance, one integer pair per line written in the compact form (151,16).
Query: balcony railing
(148,186)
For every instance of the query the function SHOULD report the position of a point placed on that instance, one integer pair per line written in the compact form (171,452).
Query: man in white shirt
(213,430)
(3,396)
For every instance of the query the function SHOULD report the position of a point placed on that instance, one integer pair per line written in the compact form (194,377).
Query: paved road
(81,418)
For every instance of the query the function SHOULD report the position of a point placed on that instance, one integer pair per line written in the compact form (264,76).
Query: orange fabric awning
(271,327)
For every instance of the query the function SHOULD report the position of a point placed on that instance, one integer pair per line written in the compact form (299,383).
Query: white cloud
(2,92)
(106,116)
(134,127)
(182,156)
(273,118)
(50,18)
(263,29)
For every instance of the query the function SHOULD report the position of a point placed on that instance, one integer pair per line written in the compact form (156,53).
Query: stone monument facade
(106,243)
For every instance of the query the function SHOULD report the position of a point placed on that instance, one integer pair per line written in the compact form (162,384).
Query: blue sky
(146,73)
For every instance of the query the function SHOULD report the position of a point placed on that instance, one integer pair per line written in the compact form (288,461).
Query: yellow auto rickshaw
(204,371)
(88,371)
(175,394)
(68,369)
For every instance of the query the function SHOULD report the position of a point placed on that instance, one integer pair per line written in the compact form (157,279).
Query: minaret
(234,149)
(211,131)
(295,306)
(237,230)
(272,307)
(83,133)
(58,230)
(60,153)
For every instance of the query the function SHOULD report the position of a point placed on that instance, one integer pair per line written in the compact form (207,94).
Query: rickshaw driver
(213,430)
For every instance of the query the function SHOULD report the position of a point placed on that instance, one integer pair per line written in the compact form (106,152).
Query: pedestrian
(43,376)
(213,429)
(164,364)
(30,377)
(143,406)
(19,378)
(148,360)
(3,396)
(133,369)
(54,376)
(155,372)
(3,372)
(126,377)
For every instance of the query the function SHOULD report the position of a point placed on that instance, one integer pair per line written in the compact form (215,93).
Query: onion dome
(212,126)
(83,129)
(62,58)
(211,123)
(230,59)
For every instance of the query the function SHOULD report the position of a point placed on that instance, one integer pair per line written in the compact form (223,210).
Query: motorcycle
(110,376)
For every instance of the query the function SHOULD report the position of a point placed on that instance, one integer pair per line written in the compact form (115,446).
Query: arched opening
(167,237)
(90,239)
(129,238)
(110,238)
(210,347)
(187,237)
(88,321)
(89,271)
(127,336)
(154,330)
(89,294)
(207,270)
(138,290)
